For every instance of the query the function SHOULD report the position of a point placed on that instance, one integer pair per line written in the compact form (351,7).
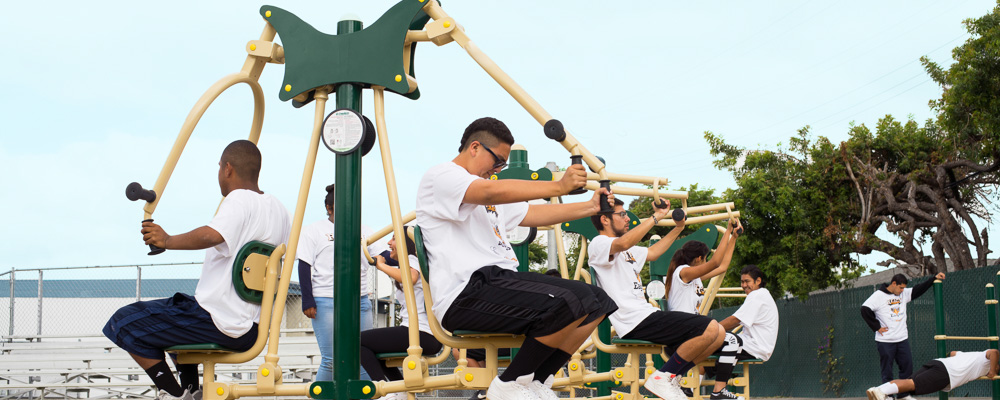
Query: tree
(809,208)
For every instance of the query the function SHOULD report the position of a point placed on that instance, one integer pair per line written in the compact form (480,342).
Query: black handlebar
(576,160)
(554,130)
(678,214)
(605,207)
(154,250)
(134,191)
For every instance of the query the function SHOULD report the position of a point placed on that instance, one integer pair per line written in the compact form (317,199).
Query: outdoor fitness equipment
(991,327)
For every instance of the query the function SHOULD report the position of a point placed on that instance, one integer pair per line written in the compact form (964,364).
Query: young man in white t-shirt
(474,282)
(942,374)
(759,317)
(216,313)
(616,262)
(885,313)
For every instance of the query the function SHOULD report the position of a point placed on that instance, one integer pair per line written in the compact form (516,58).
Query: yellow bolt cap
(649,371)
(684,381)
(573,367)
(220,391)
(619,396)
(618,374)
(317,389)
(366,389)
(288,88)
(617,383)
(736,381)
(493,177)
(265,372)
(421,1)
(399,78)
(267,13)
(469,377)
(534,176)
(253,47)
(412,365)
(447,24)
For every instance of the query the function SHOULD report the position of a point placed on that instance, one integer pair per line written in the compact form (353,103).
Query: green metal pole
(991,317)
(604,359)
(347,254)
(939,325)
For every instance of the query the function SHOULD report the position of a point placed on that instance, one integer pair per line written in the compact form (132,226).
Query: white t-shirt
(890,310)
(243,216)
(418,294)
(965,367)
(759,317)
(685,297)
(461,238)
(617,274)
(316,249)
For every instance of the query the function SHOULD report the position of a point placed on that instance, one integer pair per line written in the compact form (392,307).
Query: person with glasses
(617,261)
(475,285)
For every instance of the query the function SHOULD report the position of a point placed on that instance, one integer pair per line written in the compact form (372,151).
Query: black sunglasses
(500,163)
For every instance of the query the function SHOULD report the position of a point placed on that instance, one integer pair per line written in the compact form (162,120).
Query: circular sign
(656,289)
(521,235)
(343,130)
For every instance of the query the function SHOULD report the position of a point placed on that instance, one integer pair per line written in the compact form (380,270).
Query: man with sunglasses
(616,262)
(474,282)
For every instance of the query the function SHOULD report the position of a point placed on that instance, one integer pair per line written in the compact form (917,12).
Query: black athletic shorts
(669,328)
(524,303)
(930,378)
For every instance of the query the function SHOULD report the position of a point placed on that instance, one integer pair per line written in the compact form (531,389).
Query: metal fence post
(991,328)
(939,325)
(138,283)
(11,327)
(39,303)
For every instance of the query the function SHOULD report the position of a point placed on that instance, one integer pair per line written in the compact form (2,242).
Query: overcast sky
(94,95)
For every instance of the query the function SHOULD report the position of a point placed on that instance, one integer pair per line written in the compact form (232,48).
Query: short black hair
(244,156)
(899,279)
(754,272)
(596,218)
(553,272)
(488,131)
(330,194)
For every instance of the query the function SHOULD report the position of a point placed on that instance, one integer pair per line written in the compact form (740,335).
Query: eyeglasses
(623,214)
(500,163)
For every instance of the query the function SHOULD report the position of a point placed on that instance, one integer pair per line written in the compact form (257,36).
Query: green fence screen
(825,349)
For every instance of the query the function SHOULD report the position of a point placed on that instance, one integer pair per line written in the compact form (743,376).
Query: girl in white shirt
(688,267)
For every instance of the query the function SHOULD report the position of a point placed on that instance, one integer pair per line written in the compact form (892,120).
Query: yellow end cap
(493,177)
(567,224)
(618,374)
(399,78)
(288,88)
(635,222)
(469,377)
(617,383)
(619,396)
(317,389)
(366,389)
(573,367)
(447,24)
(220,391)
(267,14)
(736,381)
(684,381)
(265,372)
(649,371)
(412,365)
(707,230)
(534,176)
(421,1)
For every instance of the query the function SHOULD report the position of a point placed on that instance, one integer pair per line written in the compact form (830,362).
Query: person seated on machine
(216,313)
(476,286)
(942,374)
(689,266)
(617,261)
(759,317)
(396,339)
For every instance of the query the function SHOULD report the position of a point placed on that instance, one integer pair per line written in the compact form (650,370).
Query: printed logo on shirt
(629,258)
(700,291)
(895,311)
(894,301)
(492,210)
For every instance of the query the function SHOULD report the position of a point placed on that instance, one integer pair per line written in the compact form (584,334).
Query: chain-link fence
(825,349)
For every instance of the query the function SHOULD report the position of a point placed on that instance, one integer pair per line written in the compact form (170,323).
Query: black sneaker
(688,392)
(724,394)
(478,395)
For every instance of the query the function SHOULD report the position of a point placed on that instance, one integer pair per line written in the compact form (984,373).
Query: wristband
(655,220)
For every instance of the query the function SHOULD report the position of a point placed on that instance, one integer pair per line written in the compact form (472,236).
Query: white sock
(889,388)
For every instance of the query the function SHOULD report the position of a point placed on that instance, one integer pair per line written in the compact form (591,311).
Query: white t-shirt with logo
(965,367)
(685,297)
(759,317)
(890,310)
(243,216)
(461,238)
(316,249)
(618,275)
(418,294)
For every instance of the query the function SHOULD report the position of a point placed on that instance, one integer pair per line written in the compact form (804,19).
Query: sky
(94,95)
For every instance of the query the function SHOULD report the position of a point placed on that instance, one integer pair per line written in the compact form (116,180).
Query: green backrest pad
(247,294)
(371,56)
(707,234)
(418,239)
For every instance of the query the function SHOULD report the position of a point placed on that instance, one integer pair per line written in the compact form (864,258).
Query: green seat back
(247,294)
(632,342)
(418,239)
(708,234)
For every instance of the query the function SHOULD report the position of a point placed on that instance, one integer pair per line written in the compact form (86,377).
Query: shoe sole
(872,395)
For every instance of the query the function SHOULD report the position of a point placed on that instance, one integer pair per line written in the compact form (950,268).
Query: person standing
(885,313)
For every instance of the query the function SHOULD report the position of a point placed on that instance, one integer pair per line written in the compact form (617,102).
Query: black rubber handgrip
(575,160)
(134,191)
(678,214)
(605,207)
(739,231)
(662,204)
(153,250)
(554,130)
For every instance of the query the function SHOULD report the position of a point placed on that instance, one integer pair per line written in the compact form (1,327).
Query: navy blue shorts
(146,328)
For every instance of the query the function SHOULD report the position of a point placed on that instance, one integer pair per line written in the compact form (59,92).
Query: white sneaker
(518,389)
(544,389)
(665,385)
(163,395)
(875,394)
(196,395)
